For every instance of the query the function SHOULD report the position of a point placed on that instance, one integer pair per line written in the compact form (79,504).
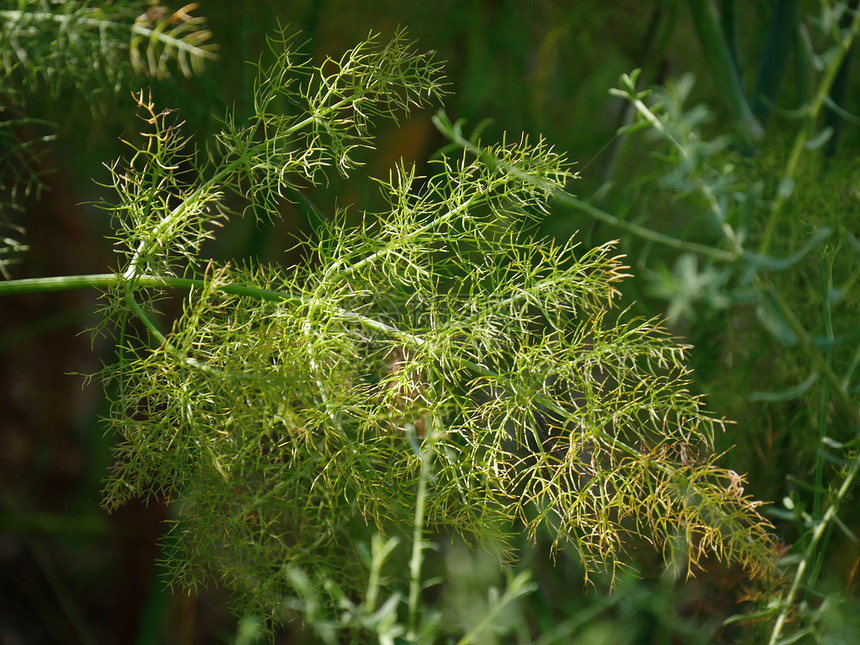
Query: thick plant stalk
(719,60)
(782,30)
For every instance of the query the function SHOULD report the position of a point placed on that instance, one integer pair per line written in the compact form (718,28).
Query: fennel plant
(437,368)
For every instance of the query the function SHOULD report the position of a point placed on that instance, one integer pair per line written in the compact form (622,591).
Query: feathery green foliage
(287,409)
(412,377)
(96,47)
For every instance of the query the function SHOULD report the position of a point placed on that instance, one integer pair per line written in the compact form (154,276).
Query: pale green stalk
(826,291)
(818,532)
(109,280)
(379,554)
(428,451)
(565,198)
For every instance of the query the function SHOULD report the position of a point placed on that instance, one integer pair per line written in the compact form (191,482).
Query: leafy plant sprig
(97,48)
(437,355)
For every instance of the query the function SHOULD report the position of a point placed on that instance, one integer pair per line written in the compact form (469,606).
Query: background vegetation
(738,218)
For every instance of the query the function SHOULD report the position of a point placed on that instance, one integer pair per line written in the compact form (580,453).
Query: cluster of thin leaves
(804,303)
(308,119)
(97,46)
(288,411)
(161,220)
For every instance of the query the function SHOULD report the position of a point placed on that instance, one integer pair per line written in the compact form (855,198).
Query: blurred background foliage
(70,574)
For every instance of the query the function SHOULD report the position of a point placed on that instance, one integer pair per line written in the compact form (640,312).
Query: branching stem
(416,561)
(452,131)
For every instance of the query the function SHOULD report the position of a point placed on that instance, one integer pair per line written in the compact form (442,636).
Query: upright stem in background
(818,532)
(729,21)
(783,24)
(786,183)
(826,278)
(826,288)
(833,116)
(719,58)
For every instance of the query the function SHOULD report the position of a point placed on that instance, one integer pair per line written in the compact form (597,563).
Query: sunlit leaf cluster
(311,119)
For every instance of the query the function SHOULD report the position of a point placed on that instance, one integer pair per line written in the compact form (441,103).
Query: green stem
(417,559)
(782,30)
(58,283)
(566,199)
(141,314)
(729,23)
(719,58)
(826,287)
(53,524)
(107,280)
(380,551)
(817,534)
(826,280)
